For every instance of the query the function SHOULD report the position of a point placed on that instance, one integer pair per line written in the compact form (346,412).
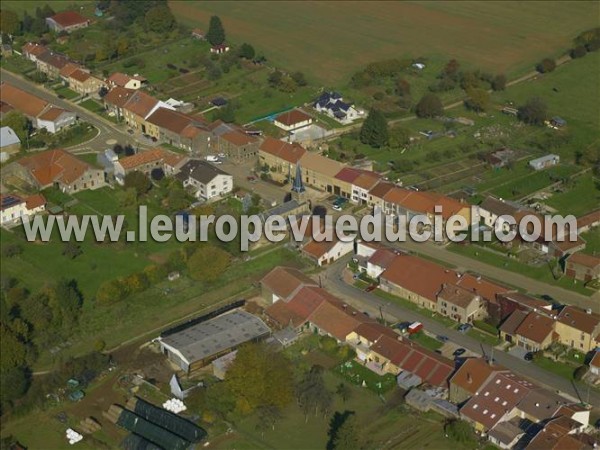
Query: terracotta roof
(373,330)
(140,104)
(536,327)
(585,260)
(383,257)
(306,301)
(52,113)
(288,152)
(482,287)
(50,166)
(473,373)
(34,48)
(512,322)
(348,174)
(69,69)
(457,295)
(118,96)
(595,361)
(498,207)
(334,321)
(367,180)
(292,117)
(380,189)
(555,435)
(284,281)
(53,59)
(171,120)
(497,397)
(526,300)
(589,219)
(423,202)
(35,201)
(69,18)
(283,315)
(238,139)
(579,319)
(141,158)
(23,101)
(421,276)
(119,79)
(80,75)
(321,164)
(318,249)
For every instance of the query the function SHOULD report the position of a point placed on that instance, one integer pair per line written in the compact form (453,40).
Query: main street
(332,280)
(108,131)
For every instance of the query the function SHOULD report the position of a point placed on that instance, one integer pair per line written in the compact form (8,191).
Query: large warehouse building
(195,346)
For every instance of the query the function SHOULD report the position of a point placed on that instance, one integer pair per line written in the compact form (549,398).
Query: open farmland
(331,40)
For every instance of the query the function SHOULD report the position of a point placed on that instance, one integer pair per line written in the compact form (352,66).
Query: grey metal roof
(8,137)
(213,336)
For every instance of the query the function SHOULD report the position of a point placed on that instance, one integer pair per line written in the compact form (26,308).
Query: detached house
(68,21)
(13,208)
(292,120)
(119,79)
(326,252)
(531,331)
(332,104)
(206,181)
(57,168)
(580,266)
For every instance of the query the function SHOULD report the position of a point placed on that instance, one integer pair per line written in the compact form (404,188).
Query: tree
(267,417)
(402,87)
(451,69)
(546,65)
(111,291)
(9,22)
(138,181)
(299,78)
(460,431)
(227,113)
(72,250)
(47,11)
(478,100)
(14,351)
(312,394)
(348,435)
(159,19)
(27,22)
(118,149)
(430,105)
(13,383)
(157,174)
(216,32)
(578,52)
(579,373)
(246,51)
(287,84)
(399,137)
(207,263)
(343,391)
(19,124)
(65,300)
(374,130)
(499,82)
(275,78)
(469,80)
(534,112)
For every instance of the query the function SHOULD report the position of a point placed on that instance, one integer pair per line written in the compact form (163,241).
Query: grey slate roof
(200,171)
(8,137)
(208,338)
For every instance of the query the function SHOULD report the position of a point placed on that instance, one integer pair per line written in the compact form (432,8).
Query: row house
(233,141)
(80,80)
(147,161)
(531,331)
(179,129)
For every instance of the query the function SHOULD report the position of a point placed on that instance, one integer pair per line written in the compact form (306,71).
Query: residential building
(138,108)
(68,21)
(83,82)
(506,435)
(9,143)
(379,261)
(332,104)
(279,158)
(196,345)
(204,180)
(319,172)
(119,79)
(293,120)
(491,209)
(468,379)
(359,184)
(14,208)
(51,63)
(583,267)
(460,304)
(219,49)
(282,283)
(539,405)
(544,162)
(179,129)
(588,221)
(32,50)
(535,331)
(115,100)
(147,161)
(578,329)
(233,141)
(41,113)
(57,168)
(326,252)
(595,364)
(365,335)
(508,302)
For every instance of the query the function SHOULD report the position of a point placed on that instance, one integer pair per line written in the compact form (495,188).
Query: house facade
(204,180)
(68,21)
(578,329)
(460,304)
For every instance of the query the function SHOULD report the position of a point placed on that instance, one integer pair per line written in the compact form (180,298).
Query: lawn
(556,367)
(93,106)
(483,337)
(320,38)
(581,199)
(592,241)
(357,374)
(66,93)
(426,341)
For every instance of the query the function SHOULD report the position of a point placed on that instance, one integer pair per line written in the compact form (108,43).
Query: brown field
(331,40)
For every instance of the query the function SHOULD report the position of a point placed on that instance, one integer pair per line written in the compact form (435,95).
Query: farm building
(195,346)
(293,120)
(544,162)
(67,21)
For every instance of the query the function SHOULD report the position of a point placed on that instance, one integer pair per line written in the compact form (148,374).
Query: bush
(11,250)
(429,106)
(579,373)
(328,344)
(546,65)
(578,52)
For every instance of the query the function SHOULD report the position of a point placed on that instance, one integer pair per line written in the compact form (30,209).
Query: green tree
(460,431)
(111,291)
(348,435)
(430,105)
(14,382)
(469,80)
(13,350)
(72,250)
(9,22)
(299,78)
(546,65)
(534,112)
(275,78)
(499,82)
(402,87)
(344,391)
(312,394)
(208,262)
(19,124)
(579,373)
(246,51)
(478,100)
(216,32)
(399,137)
(138,181)
(159,19)
(578,52)
(287,84)
(374,131)
(65,300)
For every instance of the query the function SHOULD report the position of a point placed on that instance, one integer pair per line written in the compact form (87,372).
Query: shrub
(579,373)
(11,250)
(546,65)
(578,52)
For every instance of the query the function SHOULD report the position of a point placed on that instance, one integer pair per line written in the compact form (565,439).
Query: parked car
(442,338)
(212,158)
(402,327)
(459,351)
(337,207)
(371,287)
(528,356)
(464,327)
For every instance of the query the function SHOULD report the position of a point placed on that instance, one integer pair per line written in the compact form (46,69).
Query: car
(130,131)
(221,155)
(337,207)
(547,297)
(366,314)
(355,276)
(464,327)
(528,356)
(442,338)
(154,139)
(371,287)
(212,158)
(459,351)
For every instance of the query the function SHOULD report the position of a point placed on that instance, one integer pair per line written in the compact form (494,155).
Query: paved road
(532,286)
(107,130)
(365,301)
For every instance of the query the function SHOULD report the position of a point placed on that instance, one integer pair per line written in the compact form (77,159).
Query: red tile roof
(174,121)
(23,101)
(35,201)
(140,104)
(283,315)
(148,156)
(536,327)
(34,48)
(292,117)
(238,139)
(289,152)
(383,257)
(589,219)
(584,260)
(381,189)
(118,96)
(373,330)
(579,319)
(68,19)
(334,321)
(80,75)
(119,79)
(348,174)
(52,113)
(284,281)
(50,166)
(318,249)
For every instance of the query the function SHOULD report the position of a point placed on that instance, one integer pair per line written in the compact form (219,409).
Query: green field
(582,198)
(330,41)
